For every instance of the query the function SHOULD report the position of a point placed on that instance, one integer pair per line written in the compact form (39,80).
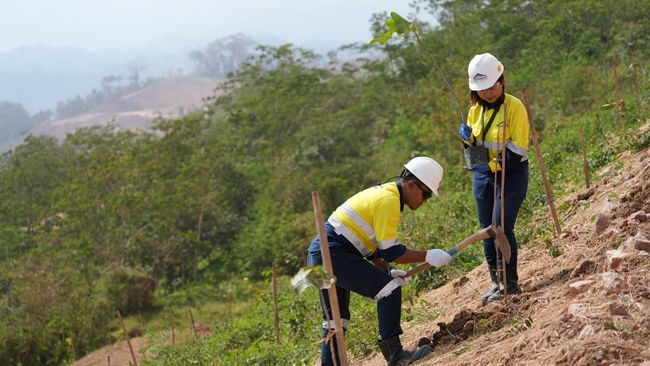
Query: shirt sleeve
(520,128)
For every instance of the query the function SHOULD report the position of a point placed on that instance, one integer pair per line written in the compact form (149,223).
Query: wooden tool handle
(488,232)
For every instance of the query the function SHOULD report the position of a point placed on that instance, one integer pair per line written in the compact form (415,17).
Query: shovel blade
(502,244)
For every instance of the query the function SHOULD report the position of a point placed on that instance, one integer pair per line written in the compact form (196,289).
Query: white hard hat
(427,170)
(484,70)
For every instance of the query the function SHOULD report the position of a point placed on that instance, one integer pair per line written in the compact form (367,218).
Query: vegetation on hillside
(115,220)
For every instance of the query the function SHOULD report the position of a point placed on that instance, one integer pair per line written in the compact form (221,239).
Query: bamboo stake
(327,262)
(327,336)
(503,193)
(192,323)
(275,303)
(585,164)
(128,339)
(635,74)
(538,153)
(617,96)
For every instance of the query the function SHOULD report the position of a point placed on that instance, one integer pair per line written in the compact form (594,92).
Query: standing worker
(362,237)
(483,138)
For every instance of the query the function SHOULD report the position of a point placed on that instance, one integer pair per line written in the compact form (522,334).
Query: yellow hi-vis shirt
(370,219)
(516,132)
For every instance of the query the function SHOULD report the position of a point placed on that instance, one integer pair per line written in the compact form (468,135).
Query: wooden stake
(540,162)
(128,339)
(173,336)
(585,164)
(635,74)
(503,194)
(192,323)
(327,262)
(617,96)
(275,303)
(327,318)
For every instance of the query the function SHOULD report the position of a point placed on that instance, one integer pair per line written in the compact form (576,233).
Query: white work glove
(438,257)
(398,273)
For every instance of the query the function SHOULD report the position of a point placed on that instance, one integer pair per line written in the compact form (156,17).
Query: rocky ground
(589,305)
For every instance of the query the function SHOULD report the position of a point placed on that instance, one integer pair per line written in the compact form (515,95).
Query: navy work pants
(516,187)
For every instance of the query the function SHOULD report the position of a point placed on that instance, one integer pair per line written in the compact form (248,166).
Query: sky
(128,24)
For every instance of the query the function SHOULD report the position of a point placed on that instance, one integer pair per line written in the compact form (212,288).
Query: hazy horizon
(128,25)
(51,50)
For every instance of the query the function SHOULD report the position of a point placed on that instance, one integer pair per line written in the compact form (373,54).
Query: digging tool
(501,241)
(503,201)
(488,232)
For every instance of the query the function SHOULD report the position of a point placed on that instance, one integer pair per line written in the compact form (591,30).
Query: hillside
(194,215)
(169,97)
(588,306)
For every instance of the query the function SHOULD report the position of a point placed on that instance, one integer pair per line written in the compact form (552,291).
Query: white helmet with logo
(427,170)
(484,70)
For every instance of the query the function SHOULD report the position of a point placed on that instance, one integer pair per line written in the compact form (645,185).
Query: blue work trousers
(516,186)
(354,273)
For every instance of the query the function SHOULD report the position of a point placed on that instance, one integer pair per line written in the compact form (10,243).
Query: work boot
(512,280)
(494,284)
(395,355)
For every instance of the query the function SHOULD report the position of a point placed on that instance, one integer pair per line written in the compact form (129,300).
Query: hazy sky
(98,24)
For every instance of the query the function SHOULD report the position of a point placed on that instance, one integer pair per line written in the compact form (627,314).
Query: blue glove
(465,131)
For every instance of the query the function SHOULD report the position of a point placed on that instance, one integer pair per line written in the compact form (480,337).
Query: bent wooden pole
(327,262)
(126,336)
(585,163)
(276,317)
(538,153)
(488,232)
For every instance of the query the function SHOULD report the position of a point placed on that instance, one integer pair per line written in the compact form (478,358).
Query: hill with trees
(191,214)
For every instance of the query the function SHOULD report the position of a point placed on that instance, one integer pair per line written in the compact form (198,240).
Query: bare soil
(170,97)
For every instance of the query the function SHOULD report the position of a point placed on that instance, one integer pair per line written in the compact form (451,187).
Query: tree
(222,56)
(14,122)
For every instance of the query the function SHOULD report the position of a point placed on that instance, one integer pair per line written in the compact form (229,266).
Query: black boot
(512,281)
(397,356)
(495,284)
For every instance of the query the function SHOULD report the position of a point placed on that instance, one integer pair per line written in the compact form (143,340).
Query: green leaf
(382,38)
(401,25)
(607,106)
(395,24)
(390,23)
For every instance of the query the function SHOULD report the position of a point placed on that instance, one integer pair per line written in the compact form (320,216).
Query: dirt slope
(170,97)
(588,306)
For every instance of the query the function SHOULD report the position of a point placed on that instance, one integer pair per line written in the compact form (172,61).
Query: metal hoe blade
(502,244)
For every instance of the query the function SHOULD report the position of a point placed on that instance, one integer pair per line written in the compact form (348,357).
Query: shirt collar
(401,195)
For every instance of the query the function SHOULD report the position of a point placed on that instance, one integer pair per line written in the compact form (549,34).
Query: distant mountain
(169,97)
(39,76)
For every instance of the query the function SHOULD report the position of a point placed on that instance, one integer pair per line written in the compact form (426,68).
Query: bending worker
(483,137)
(362,237)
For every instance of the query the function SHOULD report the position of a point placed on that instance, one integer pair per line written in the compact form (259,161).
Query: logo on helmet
(480,77)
